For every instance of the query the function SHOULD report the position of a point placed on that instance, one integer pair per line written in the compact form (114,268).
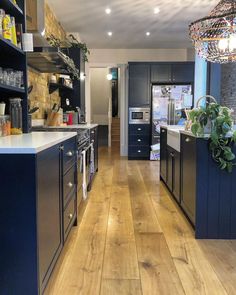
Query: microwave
(139,116)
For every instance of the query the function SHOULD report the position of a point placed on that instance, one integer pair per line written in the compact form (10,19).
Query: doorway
(104,89)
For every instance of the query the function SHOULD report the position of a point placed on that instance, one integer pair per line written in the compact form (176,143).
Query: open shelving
(15,58)
(55,86)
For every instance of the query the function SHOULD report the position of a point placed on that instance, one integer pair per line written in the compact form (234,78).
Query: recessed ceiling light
(109,34)
(148,34)
(156,10)
(108,10)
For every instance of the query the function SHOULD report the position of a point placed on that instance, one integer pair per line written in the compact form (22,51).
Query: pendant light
(214,36)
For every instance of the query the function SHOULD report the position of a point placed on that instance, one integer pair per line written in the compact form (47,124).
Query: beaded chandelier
(214,36)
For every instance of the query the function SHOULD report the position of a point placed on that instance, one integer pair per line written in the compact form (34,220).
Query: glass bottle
(16,116)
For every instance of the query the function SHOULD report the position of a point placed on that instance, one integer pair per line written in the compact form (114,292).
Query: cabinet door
(139,85)
(183,73)
(161,73)
(188,168)
(48,211)
(176,176)
(163,153)
(94,140)
(169,175)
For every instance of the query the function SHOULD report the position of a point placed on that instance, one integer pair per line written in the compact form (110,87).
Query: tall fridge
(168,104)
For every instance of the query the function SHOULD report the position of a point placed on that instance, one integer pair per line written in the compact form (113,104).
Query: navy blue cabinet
(94,140)
(188,170)
(139,85)
(34,219)
(49,226)
(139,142)
(161,73)
(163,154)
(178,72)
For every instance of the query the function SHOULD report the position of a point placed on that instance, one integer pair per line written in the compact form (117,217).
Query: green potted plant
(216,123)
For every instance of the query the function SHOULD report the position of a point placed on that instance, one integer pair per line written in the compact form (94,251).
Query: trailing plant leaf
(220,144)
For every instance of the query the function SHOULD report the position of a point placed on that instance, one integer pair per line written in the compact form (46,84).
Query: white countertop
(32,143)
(77,126)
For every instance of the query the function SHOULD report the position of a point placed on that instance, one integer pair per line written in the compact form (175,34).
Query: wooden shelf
(10,89)
(11,8)
(9,48)
(54,86)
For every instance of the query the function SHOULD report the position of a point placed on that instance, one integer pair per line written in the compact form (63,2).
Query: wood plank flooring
(133,240)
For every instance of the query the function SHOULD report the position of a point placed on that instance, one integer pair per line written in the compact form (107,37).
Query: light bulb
(109,77)
(148,33)
(82,76)
(223,44)
(156,10)
(108,10)
(232,43)
(109,34)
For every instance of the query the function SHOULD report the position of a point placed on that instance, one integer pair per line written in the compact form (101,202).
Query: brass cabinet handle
(69,154)
(92,132)
(187,139)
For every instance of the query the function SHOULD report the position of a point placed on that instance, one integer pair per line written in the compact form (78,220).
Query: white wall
(100,92)
(123,56)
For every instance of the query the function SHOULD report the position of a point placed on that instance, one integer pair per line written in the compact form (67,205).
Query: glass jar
(5,126)
(16,116)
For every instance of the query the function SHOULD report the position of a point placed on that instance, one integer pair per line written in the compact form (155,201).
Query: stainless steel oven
(139,116)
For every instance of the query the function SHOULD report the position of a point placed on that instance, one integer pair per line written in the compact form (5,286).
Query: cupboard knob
(139,140)
(70,184)
(92,132)
(92,141)
(163,131)
(69,154)
(139,129)
(139,151)
(62,148)
(187,139)
(70,216)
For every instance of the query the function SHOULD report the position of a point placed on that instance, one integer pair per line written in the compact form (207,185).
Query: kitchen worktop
(32,143)
(77,126)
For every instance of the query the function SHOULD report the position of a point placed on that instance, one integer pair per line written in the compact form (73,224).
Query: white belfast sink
(173,137)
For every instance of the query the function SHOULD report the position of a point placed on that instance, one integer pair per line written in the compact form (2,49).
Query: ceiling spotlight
(108,10)
(156,10)
(109,34)
(148,34)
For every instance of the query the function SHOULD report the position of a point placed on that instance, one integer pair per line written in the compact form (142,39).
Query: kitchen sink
(173,138)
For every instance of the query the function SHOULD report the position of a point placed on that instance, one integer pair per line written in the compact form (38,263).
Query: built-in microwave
(139,116)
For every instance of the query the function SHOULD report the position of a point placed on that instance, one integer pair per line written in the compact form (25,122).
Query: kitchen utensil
(33,110)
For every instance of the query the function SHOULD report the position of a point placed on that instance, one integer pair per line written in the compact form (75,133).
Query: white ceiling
(130,20)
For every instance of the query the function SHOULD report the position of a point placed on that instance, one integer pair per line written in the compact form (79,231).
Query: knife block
(53,119)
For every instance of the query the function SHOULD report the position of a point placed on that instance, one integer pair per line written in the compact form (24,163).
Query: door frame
(123,95)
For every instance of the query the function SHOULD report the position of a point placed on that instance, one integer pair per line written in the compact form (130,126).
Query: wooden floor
(133,239)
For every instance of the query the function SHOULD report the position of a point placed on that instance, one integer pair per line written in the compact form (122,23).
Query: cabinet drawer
(69,184)
(139,140)
(143,129)
(69,216)
(69,154)
(139,151)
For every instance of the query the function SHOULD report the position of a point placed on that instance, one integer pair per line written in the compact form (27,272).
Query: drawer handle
(61,148)
(92,132)
(139,151)
(187,139)
(163,131)
(70,184)
(92,141)
(70,216)
(69,154)
(139,129)
(139,140)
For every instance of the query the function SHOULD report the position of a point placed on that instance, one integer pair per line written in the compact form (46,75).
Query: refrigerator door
(160,98)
